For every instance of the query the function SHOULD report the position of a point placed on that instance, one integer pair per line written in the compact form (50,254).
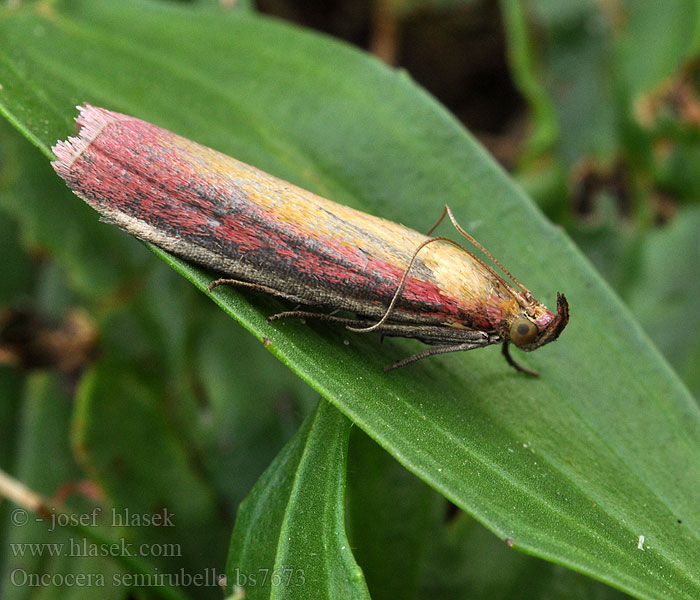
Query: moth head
(530,331)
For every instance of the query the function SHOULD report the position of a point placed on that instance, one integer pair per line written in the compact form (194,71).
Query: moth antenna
(447,211)
(402,282)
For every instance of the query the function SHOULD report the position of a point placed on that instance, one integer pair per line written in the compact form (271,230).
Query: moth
(268,235)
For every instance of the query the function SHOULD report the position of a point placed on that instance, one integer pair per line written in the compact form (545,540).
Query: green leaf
(655,39)
(573,467)
(238,435)
(576,71)
(545,128)
(411,543)
(666,300)
(392,515)
(144,468)
(289,540)
(36,548)
(49,222)
(464,562)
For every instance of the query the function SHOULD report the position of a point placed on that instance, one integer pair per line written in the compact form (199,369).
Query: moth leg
(246,284)
(512,362)
(302,314)
(431,352)
(256,287)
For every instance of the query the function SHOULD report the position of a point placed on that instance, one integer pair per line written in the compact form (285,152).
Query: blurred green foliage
(183,445)
(614,93)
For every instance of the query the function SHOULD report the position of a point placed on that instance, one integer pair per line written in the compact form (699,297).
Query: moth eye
(523,331)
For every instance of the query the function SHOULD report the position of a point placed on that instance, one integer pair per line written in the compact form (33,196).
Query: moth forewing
(269,235)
